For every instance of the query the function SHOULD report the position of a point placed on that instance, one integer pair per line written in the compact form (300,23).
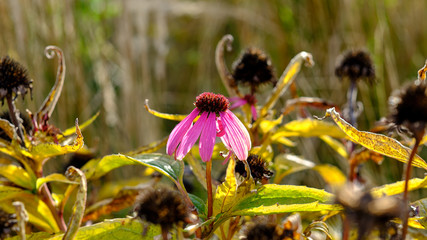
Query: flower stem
(209,187)
(405,192)
(13,113)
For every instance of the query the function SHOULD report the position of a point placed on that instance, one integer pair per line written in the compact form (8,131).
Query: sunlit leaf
(267,125)
(8,128)
(332,175)
(75,174)
(287,78)
(285,141)
(398,187)
(44,151)
(113,229)
(376,142)
(17,175)
(308,128)
(165,164)
(229,192)
(175,117)
(274,199)
(54,177)
(286,164)
(125,198)
(335,145)
(38,212)
(82,126)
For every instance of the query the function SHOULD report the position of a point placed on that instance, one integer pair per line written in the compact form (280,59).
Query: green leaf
(199,204)
(119,228)
(55,177)
(398,187)
(376,142)
(17,175)
(274,199)
(160,162)
(287,78)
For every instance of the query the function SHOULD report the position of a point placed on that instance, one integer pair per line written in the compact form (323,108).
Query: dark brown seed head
(253,68)
(356,65)
(211,102)
(409,107)
(258,166)
(13,78)
(8,224)
(263,231)
(161,206)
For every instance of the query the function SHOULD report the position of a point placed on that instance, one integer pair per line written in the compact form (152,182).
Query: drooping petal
(220,131)
(254,113)
(239,102)
(241,128)
(207,138)
(179,131)
(236,136)
(191,137)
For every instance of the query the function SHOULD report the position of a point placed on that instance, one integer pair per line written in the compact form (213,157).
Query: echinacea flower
(355,65)
(215,120)
(13,78)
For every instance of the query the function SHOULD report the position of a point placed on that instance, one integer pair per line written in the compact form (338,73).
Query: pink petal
(179,131)
(236,136)
(241,128)
(238,103)
(254,113)
(207,138)
(220,130)
(191,137)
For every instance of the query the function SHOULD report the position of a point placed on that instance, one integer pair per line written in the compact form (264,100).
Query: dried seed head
(355,65)
(253,68)
(8,224)
(211,102)
(263,231)
(409,107)
(368,212)
(258,166)
(161,206)
(13,78)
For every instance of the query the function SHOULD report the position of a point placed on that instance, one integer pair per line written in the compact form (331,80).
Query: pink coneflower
(247,99)
(215,120)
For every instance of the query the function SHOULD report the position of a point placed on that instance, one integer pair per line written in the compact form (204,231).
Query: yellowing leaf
(267,125)
(336,145)
(332,175)
(167,116)
(54,177)
(308,128)
(7,128)
(376,142)
(398,187)
(44,151)
(82,126)
(18,176)
(229,193)
(287,78)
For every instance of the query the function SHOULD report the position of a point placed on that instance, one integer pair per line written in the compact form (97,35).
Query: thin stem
(346,228)
(209,186)
(165,232)
(352,97)
(221,66)
(405,192)
(13,116)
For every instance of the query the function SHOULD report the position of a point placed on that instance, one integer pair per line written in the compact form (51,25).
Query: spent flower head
(8,224)
(161,206)
(13,78)
(253,68)
(356,65)
(216,120)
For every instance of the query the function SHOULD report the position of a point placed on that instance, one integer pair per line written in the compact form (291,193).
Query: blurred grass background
(119,53)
